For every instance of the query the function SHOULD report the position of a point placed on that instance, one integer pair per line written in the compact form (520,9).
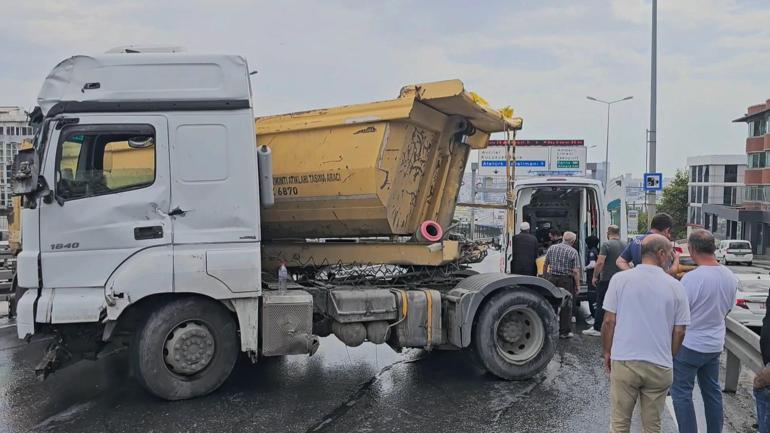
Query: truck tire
(515,334)
(185,349)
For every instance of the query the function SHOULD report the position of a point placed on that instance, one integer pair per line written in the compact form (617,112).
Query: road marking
(7,326)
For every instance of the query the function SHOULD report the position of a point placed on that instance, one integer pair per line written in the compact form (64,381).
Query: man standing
(562,265)
(644,325)
(661,224)
(710,290)
(554,236)
(603,271)
(524,248)
(762,380)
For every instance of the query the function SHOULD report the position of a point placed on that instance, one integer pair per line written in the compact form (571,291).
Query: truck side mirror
(25,172)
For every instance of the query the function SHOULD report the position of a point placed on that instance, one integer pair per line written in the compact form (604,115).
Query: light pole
(607,144)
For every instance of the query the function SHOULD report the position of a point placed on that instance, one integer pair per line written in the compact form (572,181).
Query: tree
(641,227)
(674,202)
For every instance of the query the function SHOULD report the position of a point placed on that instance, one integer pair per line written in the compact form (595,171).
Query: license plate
(762,306)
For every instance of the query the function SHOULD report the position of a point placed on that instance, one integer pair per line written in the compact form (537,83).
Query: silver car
(750,303)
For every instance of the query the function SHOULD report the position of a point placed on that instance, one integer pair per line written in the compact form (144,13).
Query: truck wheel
(515,334)
(185,349)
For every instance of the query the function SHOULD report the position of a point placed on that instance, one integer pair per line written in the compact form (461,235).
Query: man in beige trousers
(646,312)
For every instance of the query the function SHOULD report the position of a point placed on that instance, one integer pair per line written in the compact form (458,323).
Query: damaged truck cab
(146,223)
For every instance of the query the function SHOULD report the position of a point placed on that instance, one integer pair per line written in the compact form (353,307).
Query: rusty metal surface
(300,254)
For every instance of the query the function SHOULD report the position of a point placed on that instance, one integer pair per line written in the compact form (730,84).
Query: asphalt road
(364,389)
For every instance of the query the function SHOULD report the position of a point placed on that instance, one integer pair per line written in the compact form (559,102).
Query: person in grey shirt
(603,271)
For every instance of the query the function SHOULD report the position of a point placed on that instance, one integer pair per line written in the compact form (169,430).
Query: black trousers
(601,291)
(566,282)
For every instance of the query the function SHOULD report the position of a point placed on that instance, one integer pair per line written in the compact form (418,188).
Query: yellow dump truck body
(375,169)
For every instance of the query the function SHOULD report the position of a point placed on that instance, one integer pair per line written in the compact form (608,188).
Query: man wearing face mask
(661,224)
(646,313)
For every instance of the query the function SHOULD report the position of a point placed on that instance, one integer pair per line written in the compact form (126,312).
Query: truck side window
(97,161)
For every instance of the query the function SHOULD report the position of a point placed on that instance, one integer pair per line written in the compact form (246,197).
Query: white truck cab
(139,162)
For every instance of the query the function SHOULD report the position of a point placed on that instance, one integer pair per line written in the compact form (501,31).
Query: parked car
(732,251)
(750,300)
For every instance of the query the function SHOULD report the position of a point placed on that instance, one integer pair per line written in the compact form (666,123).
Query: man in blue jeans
(710,290)
(762,381)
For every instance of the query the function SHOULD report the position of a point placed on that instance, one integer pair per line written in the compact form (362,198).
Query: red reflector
(741,303)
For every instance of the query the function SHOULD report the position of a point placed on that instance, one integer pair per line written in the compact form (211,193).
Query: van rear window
(739,246)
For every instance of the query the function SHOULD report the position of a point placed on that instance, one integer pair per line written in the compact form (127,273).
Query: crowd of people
(658,333)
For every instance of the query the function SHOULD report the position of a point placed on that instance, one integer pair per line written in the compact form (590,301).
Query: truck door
(215,203)
(110,182)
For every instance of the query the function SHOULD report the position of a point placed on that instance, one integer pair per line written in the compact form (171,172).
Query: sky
(542,58)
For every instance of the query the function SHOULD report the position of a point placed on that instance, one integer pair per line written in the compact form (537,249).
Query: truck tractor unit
(157,214)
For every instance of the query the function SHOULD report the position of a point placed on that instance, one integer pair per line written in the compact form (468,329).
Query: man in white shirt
(710,290)
(646,313)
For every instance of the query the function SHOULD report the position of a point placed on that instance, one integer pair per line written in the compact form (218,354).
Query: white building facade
(13,130)
(715,180)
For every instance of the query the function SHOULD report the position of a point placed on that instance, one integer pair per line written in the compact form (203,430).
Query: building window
(757,160)
(728,197)
(757,193)
(699,197)
(757,127)
(731,173)
(700,173)
(692,173)
(692,194)
(706,174)
(706,192)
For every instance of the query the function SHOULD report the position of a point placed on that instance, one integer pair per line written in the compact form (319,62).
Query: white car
(750,304)
(734,252)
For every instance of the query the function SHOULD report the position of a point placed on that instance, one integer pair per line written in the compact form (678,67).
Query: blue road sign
(653,181)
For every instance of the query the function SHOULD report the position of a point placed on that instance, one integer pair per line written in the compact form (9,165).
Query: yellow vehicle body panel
(375,169)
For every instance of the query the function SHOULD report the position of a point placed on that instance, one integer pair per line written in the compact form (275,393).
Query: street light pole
(607,151)
(652,140)
(607,143)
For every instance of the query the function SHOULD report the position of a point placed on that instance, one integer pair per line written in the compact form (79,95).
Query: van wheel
(515,334)
(185,349)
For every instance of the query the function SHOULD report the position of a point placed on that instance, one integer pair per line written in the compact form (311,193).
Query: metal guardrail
(742,345)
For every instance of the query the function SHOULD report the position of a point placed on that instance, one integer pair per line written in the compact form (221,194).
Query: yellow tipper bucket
(374,169)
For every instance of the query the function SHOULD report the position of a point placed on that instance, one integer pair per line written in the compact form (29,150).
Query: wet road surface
(364,389)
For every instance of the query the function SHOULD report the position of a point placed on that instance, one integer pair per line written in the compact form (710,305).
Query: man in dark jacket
(524,250)
(762,380)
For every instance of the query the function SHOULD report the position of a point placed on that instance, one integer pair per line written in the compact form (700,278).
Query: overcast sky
(543,58)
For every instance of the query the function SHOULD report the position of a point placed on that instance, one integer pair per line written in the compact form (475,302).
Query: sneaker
(566,336)
(592,332)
